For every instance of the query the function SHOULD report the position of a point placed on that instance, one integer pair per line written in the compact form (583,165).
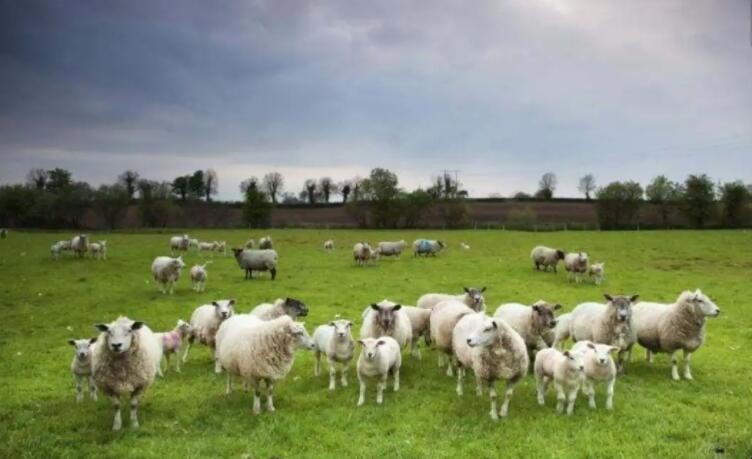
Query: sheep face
(302,339)
(183,327)
(476,297)
(621,306)
(560,254)
(575,362)
(703,305)
(177,263)
(119,334)
(597,268)
(295,308)
(223,308)
(485,335)
(237,252)
(342,329)
(543,314)
(371,347)
(602,353)
(82,347)
(385,314)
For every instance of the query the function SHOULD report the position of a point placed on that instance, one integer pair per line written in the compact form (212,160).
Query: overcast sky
(503,91)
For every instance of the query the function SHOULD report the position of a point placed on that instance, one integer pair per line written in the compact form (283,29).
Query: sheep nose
(468,341)
(553,323)
(116,346)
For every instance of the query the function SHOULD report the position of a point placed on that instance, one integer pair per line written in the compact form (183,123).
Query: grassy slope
(187,415)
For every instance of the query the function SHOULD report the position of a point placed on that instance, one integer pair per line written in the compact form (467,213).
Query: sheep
(265,243)
(166,271)
(205,321)
(193,243)
(427,247)
(609,323)
(329,245)
(281,306)
(220,247)
(99,250)
(179,243)
(362,253)
(262,351)
(124,362)
(672,327)
(207,247)
(599,367)
(64,245)
(249,244)
(80,245)
(464,246)
(531,322)
(493,350)
(81,367)
(444,316)
(171,342)
(545,257)
(336,342)
(596,272)
(576,264)
(387,249)
(387,319)
(55,250)
(378,357)
(566,369)
(419,319)
(199,274)
(473,298)
(251,260)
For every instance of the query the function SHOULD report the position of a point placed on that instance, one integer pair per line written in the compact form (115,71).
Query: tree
(37,178)
(345,188)
(58,179)
(211,184)
(180,187)
(111,201)
(699,199)
(326,186)
(196,185)
(381,191)
(129,179)
(417,204)
(619,204)
(663,193)
(734,196)
(310,188)
(251,181)
(521,195)
(256,209)
(587,185)
(546,186)
(273,184)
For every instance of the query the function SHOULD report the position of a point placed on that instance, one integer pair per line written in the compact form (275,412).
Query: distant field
(44,303)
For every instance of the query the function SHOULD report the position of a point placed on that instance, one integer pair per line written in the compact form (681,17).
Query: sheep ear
(397,307)
(215,304)
(92,340)
(614,349)
(72,342)
(374,306)
(331,324)
(608,297)
(591,345)
(536,308)
(137,325)
(349,323)
(633,298)
(483,289)
(361,341)
(567,354)
(380,342)
(494,324)
(467,290)
(102,327)
(231,302)
(557,306)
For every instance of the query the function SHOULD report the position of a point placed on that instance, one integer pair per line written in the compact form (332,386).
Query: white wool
(545,257)
(599,367)
(472,297)
(566,370)
(399,328)
(378,357)
(334,340)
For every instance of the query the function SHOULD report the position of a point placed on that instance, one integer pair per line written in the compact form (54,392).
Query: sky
(499,91)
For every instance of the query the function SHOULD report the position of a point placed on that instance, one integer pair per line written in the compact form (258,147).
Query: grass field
(44,303)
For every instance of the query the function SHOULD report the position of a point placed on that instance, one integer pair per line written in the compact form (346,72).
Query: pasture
(46,302)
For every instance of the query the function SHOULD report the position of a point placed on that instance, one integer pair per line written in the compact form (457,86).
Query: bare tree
(310,189)
(345,188)
(211,183)
(546,186)
(38,178)
(274,184)
(587,185)
(251,182)
(326,186)
(129,180)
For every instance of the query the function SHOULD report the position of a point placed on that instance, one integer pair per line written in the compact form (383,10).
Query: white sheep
(464,246)
(599,367)
(427,247)
(444,316)
(250,260)
(335,341)
(81,367)
(205,322)
(672,327)
(179,243)
(493,350)
(99,250)
(388,249)
(566,370)
(124,362)
(266,243)
(166,271)
(221,247)
(386,318)
(207,247)
(171,342)
(193,243)
(281,306)
(546,257)
(379,357)
(262,351)
(472,297)
(329,245)
(55,250)
(80,245)
(531,322)
(249,244)
(419,319)
(199,275)
(363,253)
(596,272)
(576,264)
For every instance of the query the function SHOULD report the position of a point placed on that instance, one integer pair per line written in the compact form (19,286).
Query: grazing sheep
(576,264)
(207,247)
(261,351)
(444,316)
(545,257)
(81,367)
(251,260)
(193,244)
(566,369)
(419,319)
(205,322)
(599,367)
(199,275)
(596,272)
(672,327)
(99,250)
(265,243)
(387,319)
(388,249)
(124,362)
(80,245)
(464,246)
(362,253)
(473,298)
(281,307)
(64,245)
(609,323)
(166,271)
(336,342)
(329,245)
(379,357)
(220,247)
(179,243)
(249,244)
(171,342)
(427,247)
(493,350)
(531,322)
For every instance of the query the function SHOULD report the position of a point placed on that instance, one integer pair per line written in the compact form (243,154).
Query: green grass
(44,303)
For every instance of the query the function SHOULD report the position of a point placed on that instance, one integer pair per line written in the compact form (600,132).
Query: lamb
(99,250)
(171,342)
(362,253)
(596,272)
(599,367)
(336,342)
(387,319)
(265,243)
(166,271)
(124,362)
(427,247)
(493,350)
(329,245)
(207,246)
(419,319)
(546,257)
(576,264)
(264,351)
(205,322)
(249,244)
(379,357)
(531,322)
(251,260)
(81,367)
(444,316)
(179,243)
(609,323)
(80,245)
(64,245)
(199,274)
(55,250)
(220,247)
(387,249)
(566,370)
(193,244)
(473,298)
(672,327)
(281,306)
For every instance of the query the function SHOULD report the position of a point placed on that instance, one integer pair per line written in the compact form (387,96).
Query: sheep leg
(492,396)
(414,349)
(117,423)
(269,395)
(79,389)
(187,348)
(217,365)
(610,394)
(542,385)
(460,377)
(362,397)
(674,366)
(396,378)
(343,374)
(228,384)
(572,398)
(507,398)
(687,371)
(92,389)
(380,386)
(256,410)
(478,387)
(560,397)
(317,365)
(449,370)
(332,373)
(441,360)
(159,369)
(135,396)
(648,356)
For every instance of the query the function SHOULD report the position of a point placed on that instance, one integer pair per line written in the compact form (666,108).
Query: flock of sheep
(258,347)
